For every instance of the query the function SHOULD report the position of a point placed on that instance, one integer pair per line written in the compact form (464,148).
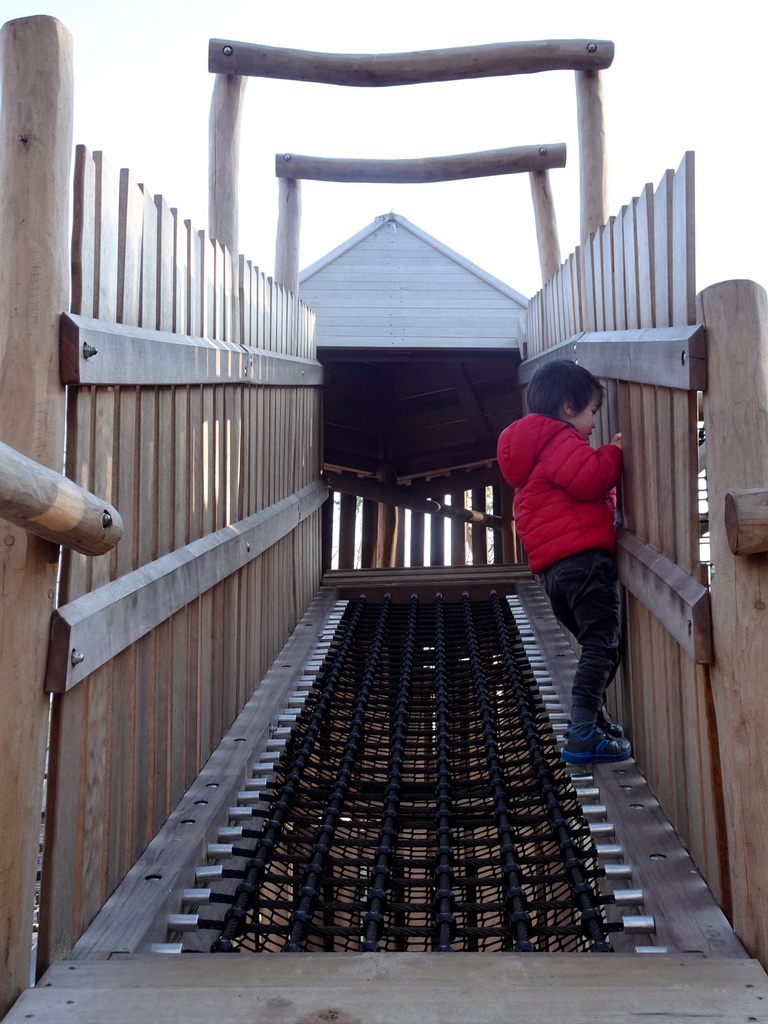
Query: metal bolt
(76,658)
(543,150)
(89,350)
(227,51)
(286,156)
(591,47)
(106,519)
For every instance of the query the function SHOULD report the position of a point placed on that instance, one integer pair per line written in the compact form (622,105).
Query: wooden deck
(398,988)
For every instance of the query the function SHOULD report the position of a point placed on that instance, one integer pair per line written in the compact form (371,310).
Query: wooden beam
(224,159)
(746,521)
(36,84)
(668,356)
(99,352)
(671,595)
(43,502)
(546,224)
(91,630)
(409,988)
(375,490)
(425,581)
(228,57)
(288,234)
(514,160)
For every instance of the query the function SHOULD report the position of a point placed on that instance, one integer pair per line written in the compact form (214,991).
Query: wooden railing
(691,689)
(193,405)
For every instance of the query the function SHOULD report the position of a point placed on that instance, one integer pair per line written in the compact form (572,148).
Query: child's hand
(616,439)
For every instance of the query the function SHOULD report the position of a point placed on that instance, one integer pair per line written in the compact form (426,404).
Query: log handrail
(375,490)
(228,57)
(49,505)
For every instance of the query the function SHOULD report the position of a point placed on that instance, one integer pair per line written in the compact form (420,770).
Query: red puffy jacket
(565,497)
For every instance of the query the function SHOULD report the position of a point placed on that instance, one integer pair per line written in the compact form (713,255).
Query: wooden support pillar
(546,224)
(36,129)
(735,315)
(592,155)
(288,234)
(224,159)
(387,524)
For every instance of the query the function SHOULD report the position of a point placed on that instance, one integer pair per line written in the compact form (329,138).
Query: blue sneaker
(594,746)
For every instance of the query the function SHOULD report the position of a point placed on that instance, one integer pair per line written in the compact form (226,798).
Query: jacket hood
(521,444)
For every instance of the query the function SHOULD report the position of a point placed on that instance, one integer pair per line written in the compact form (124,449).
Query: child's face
(584,421)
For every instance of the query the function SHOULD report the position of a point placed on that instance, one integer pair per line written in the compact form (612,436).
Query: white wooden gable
(394,286)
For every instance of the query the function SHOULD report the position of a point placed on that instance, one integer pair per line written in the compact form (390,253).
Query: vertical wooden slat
(684,265)
(129,250)
(645,255)
(662,249)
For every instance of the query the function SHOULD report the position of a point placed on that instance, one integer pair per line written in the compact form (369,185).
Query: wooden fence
(192,409)
(624,305)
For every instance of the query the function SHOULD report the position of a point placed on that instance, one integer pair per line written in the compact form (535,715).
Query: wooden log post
(224,159)
(592,155)
(35,154)
(288,234)
(546,224)
(735,314)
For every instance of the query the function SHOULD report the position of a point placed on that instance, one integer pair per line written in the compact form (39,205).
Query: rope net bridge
(419,802)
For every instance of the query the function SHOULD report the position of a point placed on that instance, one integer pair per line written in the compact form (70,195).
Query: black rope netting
(420,803)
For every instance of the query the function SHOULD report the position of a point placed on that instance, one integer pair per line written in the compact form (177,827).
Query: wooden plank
(83,209)
(98,624)
(36,113)
(662,245)
(131,220)
(676,599)
(400,988)
(106,239)
(683,244)
(129,355)
(670,356)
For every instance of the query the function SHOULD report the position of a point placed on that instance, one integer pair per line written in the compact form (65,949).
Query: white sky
(684,77)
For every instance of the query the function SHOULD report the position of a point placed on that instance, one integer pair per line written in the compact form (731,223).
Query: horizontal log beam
(228,57)
(513,160)
(746,521)
(49,505)
(677,600)
(94,628)
(98,352)
(672,357)
(375,490)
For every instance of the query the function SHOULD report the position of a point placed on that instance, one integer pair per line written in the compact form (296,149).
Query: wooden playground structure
(176,576)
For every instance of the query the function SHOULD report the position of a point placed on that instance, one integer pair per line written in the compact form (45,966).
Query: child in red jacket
(564,511)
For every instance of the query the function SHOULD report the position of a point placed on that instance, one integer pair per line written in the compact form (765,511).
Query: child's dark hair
(562,382)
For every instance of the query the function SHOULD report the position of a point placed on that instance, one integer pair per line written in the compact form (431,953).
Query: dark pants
(585,598)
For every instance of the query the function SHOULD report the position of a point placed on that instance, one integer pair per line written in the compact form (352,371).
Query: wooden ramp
(399,988)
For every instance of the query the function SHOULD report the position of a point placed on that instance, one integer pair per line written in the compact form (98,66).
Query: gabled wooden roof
(394,286)
(420,349)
